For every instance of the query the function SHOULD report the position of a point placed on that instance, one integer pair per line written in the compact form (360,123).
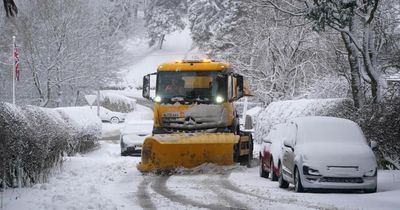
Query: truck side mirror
(146,87)
(248,123)
(240,84)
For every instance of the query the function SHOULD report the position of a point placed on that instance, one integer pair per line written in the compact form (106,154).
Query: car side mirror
(374,145)
(288,144)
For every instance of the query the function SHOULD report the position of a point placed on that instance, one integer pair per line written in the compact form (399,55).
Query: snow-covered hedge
(84,127)
(117,102)
(282,111)
(381,123)
(33,140)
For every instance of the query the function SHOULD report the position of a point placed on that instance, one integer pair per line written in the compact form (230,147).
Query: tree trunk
(370,67)
(161,41)
(355,81)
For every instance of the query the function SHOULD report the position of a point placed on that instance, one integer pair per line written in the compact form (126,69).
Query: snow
(103,179)
(83,118)
(141,115)
(282,111)
(329,129)
(99,180)
(177,45)
(116,98)
(277,144)
(254,111)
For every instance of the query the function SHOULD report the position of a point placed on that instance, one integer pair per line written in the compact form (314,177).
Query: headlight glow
(219,99)
(157,99)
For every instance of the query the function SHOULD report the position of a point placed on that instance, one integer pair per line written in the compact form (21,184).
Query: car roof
(321,120)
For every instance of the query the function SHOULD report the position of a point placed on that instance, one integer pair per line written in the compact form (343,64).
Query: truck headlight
(371,173)
(219,99)
(157,99)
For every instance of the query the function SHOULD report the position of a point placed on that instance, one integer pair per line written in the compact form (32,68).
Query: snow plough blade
(170,151)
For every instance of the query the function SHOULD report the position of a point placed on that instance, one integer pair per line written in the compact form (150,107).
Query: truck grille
(342,179)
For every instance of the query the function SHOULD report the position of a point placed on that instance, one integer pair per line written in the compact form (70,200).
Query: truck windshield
(199,86)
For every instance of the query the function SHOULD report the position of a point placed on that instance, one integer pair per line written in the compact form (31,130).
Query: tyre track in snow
(159,185)
(215,186)
(143,194)
(223,185)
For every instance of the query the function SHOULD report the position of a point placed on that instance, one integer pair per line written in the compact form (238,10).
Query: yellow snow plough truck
(195,120)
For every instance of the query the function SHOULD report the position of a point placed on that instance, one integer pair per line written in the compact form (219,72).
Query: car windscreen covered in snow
(322,130)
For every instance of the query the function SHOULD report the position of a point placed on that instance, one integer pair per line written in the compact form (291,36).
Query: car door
(288,151)
(266,148)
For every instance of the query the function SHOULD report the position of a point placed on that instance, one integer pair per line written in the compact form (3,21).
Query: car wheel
(274,177)
(373,190)
(114,120)
(263,173)
(282,182)
(298,187)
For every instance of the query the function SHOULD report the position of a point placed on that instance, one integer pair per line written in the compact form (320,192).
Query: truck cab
(194,96)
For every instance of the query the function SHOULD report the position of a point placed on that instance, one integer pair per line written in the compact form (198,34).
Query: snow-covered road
(103,179)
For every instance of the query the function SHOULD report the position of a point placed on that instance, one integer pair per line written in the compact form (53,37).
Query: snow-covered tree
(359,24)
(65,50)
(164,17)
(121,15)
(279,57)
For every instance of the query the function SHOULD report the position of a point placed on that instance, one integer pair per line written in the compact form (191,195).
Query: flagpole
(13,61)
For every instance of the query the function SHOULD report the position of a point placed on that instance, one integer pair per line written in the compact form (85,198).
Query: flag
(16,62)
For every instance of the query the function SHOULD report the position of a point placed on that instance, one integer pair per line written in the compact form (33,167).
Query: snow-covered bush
(282,111)
(33,140)
(381,123)
(116,102)
(84,128)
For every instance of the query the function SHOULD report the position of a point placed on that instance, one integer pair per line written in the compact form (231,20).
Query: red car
(270,153)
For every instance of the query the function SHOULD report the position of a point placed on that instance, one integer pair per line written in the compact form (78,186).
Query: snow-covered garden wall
(33,140)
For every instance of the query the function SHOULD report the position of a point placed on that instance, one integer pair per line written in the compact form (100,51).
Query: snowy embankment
(34,140)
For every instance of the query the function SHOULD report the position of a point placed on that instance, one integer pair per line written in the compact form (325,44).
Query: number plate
(171,114)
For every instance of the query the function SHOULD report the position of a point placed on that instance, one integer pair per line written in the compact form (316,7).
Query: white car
(110,116)
(133,135)
(327,153)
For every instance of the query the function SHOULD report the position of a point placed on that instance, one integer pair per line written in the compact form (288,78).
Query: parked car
(133,135)
(270,153)
(110,116)
(327,153)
